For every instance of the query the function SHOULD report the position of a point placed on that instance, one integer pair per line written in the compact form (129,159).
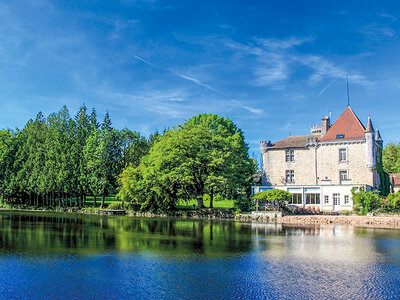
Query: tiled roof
(298,141)
(395,178)
(346,127)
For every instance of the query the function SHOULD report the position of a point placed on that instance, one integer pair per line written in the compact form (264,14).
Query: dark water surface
(90,257)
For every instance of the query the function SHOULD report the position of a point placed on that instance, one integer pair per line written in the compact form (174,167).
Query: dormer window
(340,136)
(289,155)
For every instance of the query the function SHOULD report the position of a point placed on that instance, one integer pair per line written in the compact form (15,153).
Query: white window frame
(289,176)
(289,155)
(336,199)
(346,199)
(343,155)
(345,177)
(326,199)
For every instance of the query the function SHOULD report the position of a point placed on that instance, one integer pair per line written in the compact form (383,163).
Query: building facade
(322,168)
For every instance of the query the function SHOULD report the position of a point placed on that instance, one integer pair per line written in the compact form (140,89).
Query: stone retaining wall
(360,221)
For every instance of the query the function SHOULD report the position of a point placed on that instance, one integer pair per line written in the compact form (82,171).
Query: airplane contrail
(194,80)
(145,61)
(324,89)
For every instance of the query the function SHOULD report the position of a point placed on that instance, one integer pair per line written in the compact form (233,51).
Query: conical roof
(369,128)
(346,127)
(378,136)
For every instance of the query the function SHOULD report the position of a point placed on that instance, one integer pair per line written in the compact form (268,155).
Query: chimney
(325,124)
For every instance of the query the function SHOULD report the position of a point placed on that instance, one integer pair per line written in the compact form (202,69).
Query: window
(296,199)
(326,199)
(343,154)
(336,199)
(289,155)
(312,199)
(346,199)
(289,176)
(343,175)
(340,136)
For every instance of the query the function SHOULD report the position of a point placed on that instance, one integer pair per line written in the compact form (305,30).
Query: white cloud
(291,42)
(277,60)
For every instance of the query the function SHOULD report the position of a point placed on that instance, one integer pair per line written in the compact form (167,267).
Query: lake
(45,255)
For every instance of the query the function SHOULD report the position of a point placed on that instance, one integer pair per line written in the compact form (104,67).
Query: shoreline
(385,222)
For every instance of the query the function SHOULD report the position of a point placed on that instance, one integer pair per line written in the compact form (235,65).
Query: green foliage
(243,203)
(276,197)
(391,158)
(57,161)
(115,205)
(205,155)
(365,202)
(393,201)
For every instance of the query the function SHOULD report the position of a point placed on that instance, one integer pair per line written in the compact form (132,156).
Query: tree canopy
(53,159)
(276,197)
(391,158)
(206,154)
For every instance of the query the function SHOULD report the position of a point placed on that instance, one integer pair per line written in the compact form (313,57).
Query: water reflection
(49,233)
(69,256)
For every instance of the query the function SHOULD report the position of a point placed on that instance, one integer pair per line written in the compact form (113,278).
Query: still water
(45,256)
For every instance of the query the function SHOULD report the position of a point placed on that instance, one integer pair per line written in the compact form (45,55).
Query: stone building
(321,169)
(395,182)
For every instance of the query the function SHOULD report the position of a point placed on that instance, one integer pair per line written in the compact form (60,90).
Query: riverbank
(205,213)
(357,221)
(388,221)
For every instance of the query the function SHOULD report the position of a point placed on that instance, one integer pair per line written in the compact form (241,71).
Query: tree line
(60,160)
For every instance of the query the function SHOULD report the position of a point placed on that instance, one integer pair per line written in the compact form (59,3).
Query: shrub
(393,201)
(243,203)
(365,202)
(276,197)
(115,205)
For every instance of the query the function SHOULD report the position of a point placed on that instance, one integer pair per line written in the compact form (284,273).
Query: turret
(264,146)
(370,145)
(378,138)
(325,124)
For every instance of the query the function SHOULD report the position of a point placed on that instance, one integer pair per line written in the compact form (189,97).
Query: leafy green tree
(207,154)
(134,147)
(393,201)
(276,197)
(391,158)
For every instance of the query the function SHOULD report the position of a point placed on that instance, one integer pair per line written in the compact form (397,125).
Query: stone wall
(329,164)
(275,165)
(359,221)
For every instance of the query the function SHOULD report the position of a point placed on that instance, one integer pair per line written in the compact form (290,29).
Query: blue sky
(273,67)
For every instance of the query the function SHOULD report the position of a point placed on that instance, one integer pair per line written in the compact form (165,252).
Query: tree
(365,202)
(207,154)
(393,201)
(278,198)
(391,158)
(47,162)
(134,147)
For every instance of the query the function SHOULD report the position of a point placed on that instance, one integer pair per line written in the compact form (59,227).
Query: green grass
(108,200)
(217,204)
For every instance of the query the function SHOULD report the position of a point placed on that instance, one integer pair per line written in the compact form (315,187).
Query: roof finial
(369,127)
(348,92)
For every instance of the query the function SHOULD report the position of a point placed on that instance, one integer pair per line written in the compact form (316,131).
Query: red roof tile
(395,179)
(346,127)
